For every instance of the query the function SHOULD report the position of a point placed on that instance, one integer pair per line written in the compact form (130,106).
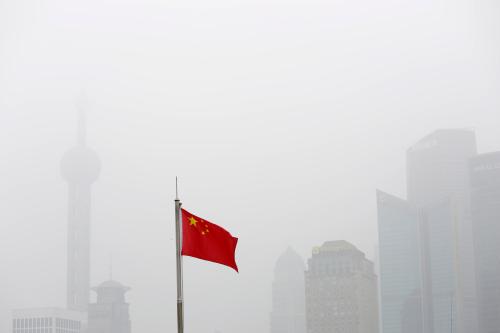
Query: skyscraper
(341,290)
(485,211)
(288,308)
(80,168)
(442,292)
(400,269)
(438,187)
(426,248)
(110,314)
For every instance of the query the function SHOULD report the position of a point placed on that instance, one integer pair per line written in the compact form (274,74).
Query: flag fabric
(207,241)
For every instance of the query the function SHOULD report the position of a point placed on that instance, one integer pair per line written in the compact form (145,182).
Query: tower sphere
(80,165)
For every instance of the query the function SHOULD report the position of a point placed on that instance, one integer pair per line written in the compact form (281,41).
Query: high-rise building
(442,293)
(47,320)
(438,187)
(341,290)
(110,313)
(400,269)
(80,168)
(288,306)
(485,212)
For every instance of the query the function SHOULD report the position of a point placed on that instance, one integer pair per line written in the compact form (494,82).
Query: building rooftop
(48,312)
(111,284)
(289,260)
(335,246)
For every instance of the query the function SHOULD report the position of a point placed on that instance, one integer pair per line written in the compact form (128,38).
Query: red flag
(207,241)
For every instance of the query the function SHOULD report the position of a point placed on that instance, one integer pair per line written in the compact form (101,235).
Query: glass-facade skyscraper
(440,263)
(426,241)
(438,187)
(485,212)
(400,280)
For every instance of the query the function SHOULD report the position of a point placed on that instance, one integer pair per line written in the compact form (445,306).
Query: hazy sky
(281,118)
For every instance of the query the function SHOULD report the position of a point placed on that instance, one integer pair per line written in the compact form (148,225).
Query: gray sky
(281,118)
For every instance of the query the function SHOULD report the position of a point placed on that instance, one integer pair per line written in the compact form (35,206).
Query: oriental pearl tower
(80,167)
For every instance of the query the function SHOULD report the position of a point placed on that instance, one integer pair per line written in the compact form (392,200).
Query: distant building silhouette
(47,320)
(110,313)
(438,187)
(288,302)
(80,168)
(400,269)
(485,211)
(428,241)
(341,290)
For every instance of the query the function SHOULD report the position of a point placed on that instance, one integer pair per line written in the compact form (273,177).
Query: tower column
(80,168)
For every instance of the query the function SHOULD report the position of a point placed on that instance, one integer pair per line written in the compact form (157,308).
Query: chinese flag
(207,241)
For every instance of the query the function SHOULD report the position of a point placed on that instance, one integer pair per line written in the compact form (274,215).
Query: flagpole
(178,241)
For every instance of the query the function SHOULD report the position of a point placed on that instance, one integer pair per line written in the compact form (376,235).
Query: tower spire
(81,124)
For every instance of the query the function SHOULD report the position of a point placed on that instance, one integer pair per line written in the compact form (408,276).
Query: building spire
(81,125)
(82,104)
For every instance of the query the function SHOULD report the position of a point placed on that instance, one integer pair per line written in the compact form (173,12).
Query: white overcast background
(281,118)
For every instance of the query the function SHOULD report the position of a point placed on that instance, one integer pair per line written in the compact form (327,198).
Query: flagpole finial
(176,189)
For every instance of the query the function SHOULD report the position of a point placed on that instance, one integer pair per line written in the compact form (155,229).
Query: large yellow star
(192,221)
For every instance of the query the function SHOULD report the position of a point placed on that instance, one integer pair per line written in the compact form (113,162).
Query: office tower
(80,168)
(442,293)
(438,187)
(110,313)
(341,290)
(288,306)
(47,320)
(485,212)
(400,269)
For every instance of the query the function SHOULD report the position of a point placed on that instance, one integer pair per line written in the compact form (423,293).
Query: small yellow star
(192,221)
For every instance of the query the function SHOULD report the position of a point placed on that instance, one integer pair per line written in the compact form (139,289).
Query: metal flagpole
(178,239)
(451,313)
